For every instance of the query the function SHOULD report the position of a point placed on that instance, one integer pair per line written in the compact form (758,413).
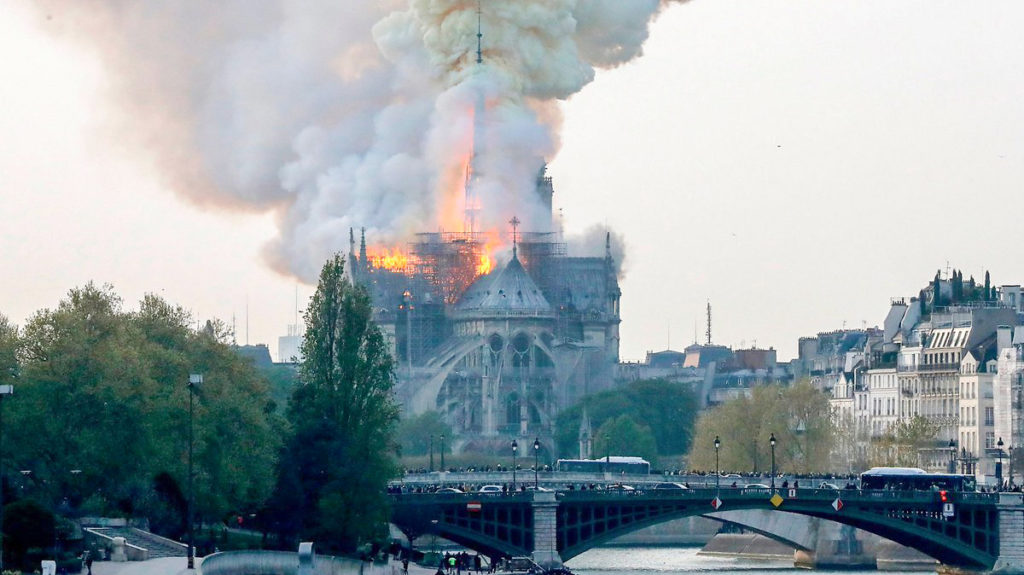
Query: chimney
(1003,337)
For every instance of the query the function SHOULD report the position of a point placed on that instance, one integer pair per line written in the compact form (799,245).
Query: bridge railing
(709,493)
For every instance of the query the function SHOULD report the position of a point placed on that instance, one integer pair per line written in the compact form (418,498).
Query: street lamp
(952,456)
(194,379)
(442,452)
(1009,482)
(515,448)
(607,453)
(4,390)
(771,440)
(999,465)
(718,473)
(431,451)
(536,459)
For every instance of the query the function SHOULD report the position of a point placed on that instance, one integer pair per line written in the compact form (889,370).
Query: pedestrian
(477,564)
(405,565)
(88,563)
(451,563)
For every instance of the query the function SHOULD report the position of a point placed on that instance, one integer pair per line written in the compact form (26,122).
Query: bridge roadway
(984,534)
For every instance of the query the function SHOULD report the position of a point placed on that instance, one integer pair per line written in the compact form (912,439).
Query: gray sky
(797,163)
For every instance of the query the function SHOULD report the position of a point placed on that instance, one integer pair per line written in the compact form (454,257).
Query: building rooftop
(509,291)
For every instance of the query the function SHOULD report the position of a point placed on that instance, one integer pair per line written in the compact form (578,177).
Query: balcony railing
(931,367)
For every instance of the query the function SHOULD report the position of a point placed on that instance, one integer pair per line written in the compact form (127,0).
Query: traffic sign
(948,510)
(837,504)
(473,507)
(716,502)
(776,500)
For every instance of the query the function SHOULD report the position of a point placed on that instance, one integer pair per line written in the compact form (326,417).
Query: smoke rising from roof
(340,114)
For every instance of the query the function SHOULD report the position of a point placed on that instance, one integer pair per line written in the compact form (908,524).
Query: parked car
(671,486)
(490,489)
(756,486)
(538,488)
(450,490)
(827,485)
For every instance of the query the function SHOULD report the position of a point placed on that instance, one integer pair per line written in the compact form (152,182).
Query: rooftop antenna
(668,335)
(515,240)
(709,323)
(246,319)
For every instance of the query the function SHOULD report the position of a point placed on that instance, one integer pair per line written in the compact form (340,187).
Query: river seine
(685,560)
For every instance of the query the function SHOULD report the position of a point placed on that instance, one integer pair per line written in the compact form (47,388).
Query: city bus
(612,464)
(912,478)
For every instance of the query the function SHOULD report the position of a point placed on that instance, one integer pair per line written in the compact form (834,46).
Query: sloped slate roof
(510,291)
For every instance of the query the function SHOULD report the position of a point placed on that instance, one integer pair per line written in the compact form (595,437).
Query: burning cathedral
(491,321)
(498,350)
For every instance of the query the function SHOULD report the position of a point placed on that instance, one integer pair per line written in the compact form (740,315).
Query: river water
(686,561)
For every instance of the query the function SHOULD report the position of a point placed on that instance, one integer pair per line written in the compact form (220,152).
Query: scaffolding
(448,261)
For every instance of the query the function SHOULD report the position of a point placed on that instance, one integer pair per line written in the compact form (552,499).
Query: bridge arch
(969,539)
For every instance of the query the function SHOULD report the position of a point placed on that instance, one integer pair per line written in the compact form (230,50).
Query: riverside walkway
(160,566)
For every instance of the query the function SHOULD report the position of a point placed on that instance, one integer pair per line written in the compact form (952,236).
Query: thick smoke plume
(345,113)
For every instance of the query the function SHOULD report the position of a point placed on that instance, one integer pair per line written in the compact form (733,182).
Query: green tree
(101,416)
(27,525)
(623,436)
(8,351)
(902,442)
(798,416)
(343,416)
(667,408)
(414,433)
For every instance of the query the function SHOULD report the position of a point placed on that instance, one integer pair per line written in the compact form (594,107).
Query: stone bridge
(985,531)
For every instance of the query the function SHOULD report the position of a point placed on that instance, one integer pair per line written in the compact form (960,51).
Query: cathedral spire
(479,34)
(362,247)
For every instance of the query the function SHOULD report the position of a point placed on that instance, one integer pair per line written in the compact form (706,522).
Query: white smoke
(596,241)
(342,113)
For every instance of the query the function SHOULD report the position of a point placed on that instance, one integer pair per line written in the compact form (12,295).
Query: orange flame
(485,266)
(394,259)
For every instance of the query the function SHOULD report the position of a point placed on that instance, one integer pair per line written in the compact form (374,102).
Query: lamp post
(1009,481)
(536,460)
(431,451)
(4,390)
(442,452)
(607,453)
(515,448)
(718,473)
(771,440)
(194,379)
(999,465)
(952,456)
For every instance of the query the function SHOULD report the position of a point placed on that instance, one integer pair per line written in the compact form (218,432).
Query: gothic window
(512,409)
